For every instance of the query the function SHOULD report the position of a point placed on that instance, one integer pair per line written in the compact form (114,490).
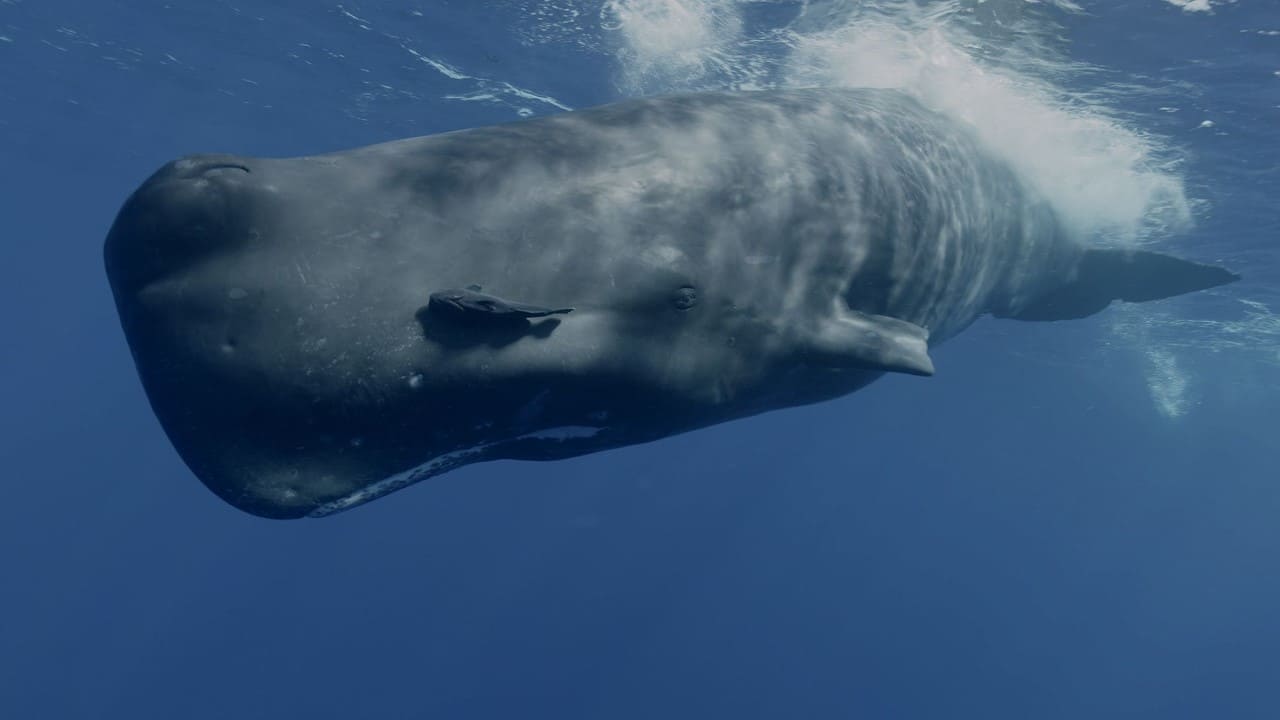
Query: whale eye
(685,297)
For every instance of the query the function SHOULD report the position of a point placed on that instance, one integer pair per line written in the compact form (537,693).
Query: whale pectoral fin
(470,303)
(1104,275)
(877,342)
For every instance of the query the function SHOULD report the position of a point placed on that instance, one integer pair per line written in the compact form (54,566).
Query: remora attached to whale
(315,332)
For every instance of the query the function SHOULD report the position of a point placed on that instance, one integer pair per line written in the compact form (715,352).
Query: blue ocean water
(1069,520)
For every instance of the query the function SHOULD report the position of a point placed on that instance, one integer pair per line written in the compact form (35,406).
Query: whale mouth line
(444,463)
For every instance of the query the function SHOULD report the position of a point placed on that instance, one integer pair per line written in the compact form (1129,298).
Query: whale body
(316,332)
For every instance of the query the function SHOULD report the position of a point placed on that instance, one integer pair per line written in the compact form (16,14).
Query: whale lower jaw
(442,464)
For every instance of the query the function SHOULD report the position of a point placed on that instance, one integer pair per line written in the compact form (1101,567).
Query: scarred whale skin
(315,332)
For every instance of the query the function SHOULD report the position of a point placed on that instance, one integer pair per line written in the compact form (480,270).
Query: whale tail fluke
(1105,275)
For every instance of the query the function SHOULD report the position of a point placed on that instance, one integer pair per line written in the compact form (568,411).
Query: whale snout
(184,213)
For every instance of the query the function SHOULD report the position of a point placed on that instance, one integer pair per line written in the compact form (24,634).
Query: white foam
(1105,178)
(1101,176)
(669,41)
(359,20)
(490,90)
(484,88)
(1192,5)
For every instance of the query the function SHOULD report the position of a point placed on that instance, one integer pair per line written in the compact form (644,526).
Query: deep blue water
(1069,520)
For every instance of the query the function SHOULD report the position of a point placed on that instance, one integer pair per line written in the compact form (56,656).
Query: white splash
(1192,5)
(1106,179)
(1100,175)
(667,40)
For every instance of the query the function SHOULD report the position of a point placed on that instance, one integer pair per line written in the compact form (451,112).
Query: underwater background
(1077,519)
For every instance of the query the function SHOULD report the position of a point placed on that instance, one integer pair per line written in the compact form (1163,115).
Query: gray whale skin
(316,332)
